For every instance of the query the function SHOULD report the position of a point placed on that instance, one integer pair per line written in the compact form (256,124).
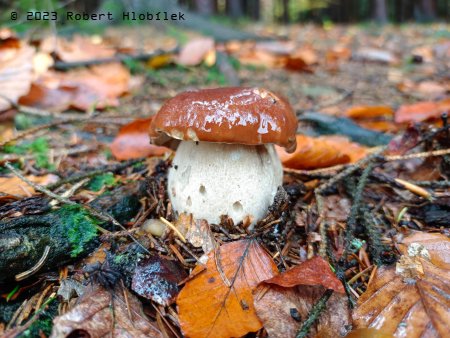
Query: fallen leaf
(291,296)
(314,271)
(100,313)
(410,300)
(15,186)
(197,232)
(321,152)
(195,51)
(374,55)
(421,111)
(16,72)
(98,86)
(133,141)
(367,112)
(368,333)
(80,48)
(400,144)
(157,278)
(218,301)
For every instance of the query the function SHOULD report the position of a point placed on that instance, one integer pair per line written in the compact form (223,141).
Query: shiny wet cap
(249,116)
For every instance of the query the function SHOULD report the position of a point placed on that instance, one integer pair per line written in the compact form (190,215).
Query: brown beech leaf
(104,313)
(195,52)
(157,278)
(367,112)
(411,299)
(218,302)
(16,71)
(133,141)
(197,232)
(15,186)
(421,111)
(314,271)
(321,152)
(80,48)
(98,86)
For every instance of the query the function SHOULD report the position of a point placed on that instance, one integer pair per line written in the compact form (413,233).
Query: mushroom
(225,163)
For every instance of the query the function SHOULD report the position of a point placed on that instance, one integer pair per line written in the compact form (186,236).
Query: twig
(35,268)
(314,314)
(60,65)
(97,213)
(439,152)
(90,174)
(174,228)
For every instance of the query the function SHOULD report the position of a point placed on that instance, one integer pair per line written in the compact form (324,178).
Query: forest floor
(356,243)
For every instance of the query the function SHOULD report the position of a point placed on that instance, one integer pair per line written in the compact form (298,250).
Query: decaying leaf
(421,111)
(80,48)
(157,278)
(98,86)
(197,232)
(375,55)
(366,112)
(218,301)
(195,52)
(133,141)
(321,152)
(16,71)
(290,296)
(100,313)
(411,299)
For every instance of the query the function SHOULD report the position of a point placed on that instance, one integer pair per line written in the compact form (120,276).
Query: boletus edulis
(225,163)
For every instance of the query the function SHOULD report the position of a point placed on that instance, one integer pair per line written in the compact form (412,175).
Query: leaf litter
(224,280)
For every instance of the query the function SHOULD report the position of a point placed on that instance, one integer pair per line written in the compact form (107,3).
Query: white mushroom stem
(214,179)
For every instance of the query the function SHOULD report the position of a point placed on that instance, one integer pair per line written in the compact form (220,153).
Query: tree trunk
(381,11)
(428,10)
(205,7)
(285,11)
(234,8)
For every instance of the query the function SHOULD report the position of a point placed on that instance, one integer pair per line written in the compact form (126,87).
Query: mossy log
(70,232)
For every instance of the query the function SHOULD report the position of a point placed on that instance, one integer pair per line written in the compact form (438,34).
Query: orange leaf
(133,141)
(16,66)
(98,86)
(411,299)
(367,112)
(195,51)
(321,152)
(15,186)
(421,111)
(218,301)
(314,271)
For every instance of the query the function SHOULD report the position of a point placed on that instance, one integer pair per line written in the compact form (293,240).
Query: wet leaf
(195,52)
(321,152)
(101,312)
(314,271)
(218,301)
(16,71)
(285,300)
(404,142)
(367,112)
(133,141)
(411,299)
(84,89)
(197,232)
(421,111)
(157,279)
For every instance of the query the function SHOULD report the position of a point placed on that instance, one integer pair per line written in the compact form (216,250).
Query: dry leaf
(421,111)
(367,112)
(292,294)
(15,186)
(321,152)
(80,48)
(157,278)
(133,141)
(375,55)
(195,51)
(16,72)
(412,299)
(197,232)
(98,86)
(101,313)
(218,301)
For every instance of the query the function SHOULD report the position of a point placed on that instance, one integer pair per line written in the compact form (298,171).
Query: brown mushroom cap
(250,116)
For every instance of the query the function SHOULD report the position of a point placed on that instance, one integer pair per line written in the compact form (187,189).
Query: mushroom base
(209,180)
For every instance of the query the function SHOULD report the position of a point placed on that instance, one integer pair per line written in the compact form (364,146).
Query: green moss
(39,149)
(79,226)
(99,181)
